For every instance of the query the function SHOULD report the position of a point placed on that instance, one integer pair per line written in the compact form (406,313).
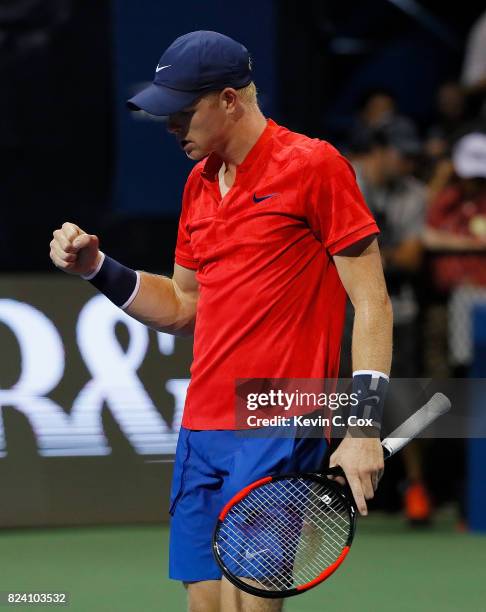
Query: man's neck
(246,132)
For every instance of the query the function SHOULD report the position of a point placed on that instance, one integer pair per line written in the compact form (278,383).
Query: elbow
(183,330)
(375,308)
(380,316)
(180,328)
(182,325)
(383,305)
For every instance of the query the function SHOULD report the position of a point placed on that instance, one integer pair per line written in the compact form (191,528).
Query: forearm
(161,305)
(439,240)
(372,334)
(360,453)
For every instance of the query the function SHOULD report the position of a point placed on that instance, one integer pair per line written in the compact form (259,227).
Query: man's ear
(229,98)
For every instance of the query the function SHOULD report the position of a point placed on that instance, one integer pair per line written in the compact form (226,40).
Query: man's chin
(195,154)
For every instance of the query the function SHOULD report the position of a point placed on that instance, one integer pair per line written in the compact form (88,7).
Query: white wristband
(372,373)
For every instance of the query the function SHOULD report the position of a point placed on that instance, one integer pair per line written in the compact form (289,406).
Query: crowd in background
(424,182)
(426,186)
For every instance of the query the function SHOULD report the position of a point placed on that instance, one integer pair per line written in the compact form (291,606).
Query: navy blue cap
(194,64)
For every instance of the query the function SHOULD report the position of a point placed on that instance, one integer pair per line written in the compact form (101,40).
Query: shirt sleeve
(184,255)
(336,210)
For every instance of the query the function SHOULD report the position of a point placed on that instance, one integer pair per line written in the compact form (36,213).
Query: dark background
(70,151)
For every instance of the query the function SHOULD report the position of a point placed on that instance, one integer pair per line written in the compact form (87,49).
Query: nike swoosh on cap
(256,199)
(159,68)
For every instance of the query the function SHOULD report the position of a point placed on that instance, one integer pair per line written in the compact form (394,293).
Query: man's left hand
(361,460)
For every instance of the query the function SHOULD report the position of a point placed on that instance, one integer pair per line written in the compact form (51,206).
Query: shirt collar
(213,162)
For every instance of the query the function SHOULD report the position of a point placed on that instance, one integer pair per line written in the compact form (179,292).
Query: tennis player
(272,236)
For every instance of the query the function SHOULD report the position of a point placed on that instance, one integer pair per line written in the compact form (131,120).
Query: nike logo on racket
(251,555)
(257,199)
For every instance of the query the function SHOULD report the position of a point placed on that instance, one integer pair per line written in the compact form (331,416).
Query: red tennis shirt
(271,302)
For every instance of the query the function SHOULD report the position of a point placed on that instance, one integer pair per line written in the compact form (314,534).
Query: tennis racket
(283,535)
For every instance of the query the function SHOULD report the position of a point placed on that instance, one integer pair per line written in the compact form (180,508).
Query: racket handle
(438,405)
(337,470)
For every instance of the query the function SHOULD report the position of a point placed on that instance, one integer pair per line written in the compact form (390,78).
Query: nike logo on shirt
(256,199)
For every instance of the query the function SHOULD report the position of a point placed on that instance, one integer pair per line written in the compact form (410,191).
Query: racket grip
(437,405)
(337,470)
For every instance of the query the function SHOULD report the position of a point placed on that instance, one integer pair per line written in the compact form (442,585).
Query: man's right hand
(74,251)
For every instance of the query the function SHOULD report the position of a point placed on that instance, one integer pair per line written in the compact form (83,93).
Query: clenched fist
(74,251)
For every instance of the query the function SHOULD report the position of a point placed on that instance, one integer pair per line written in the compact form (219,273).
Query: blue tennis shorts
(210,468)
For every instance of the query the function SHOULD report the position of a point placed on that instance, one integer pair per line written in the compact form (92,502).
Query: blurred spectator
(457,218)
(397,200)
(474,67)
(456,237)
(456,233)
(384,169)
(376,108)
(450,118)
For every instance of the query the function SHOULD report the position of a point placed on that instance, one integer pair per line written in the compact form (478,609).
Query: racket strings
(284,533)
(235,544)
(316,509)
(291,549)
(314,515)
(308,500)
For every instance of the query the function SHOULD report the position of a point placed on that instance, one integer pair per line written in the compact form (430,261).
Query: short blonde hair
(248,94)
